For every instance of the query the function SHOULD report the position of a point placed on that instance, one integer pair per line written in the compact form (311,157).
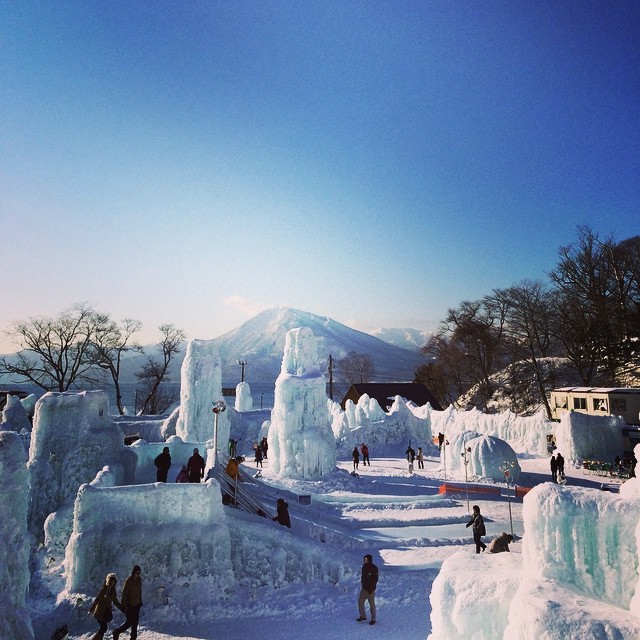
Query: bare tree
(155,371)
(110,343)
(355,368)
(55,353)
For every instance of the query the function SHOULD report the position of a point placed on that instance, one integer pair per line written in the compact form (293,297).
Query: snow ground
(399,518)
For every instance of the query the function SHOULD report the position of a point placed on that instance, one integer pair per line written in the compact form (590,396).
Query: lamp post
(506,469)
(218,407)
(242,363)
(465,451)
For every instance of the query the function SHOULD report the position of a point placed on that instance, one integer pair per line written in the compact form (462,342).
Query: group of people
(360,453)
(193,471)
(557,467)
(129,603)
(412,456)
(261,448)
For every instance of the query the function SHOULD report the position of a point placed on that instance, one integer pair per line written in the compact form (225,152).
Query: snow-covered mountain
(260,341)
(412,339)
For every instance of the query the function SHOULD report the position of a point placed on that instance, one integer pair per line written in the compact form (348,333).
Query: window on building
(561,402)
(580,403)
(618,405)
(599,404)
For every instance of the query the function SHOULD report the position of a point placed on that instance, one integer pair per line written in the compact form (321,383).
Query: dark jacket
(195,467)
(369,578)
(478,524)
(163,464)
(102,607)
(132,592)
(283,514)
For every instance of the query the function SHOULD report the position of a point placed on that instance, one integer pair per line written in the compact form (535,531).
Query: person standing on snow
(369,582)
(283,513)
(355,454)
(102,607)
(478,528)
(163,464)
(420,457)
(364,450)
(195,466)
(131,602)
(560,461)
(554,468)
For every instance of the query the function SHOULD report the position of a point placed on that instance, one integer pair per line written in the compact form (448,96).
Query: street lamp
(218,407)
(506,469)
(465,451)
(242,363)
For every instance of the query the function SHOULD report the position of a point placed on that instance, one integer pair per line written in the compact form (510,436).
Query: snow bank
(301,442)
(73,438)
(200,387)
(14,541)
(582,437)
(471,595)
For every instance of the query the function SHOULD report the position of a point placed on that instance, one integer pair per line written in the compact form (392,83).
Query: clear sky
(376,162)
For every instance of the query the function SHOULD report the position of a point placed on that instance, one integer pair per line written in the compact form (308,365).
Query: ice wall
(244,401)
(14,541)
(301,442)
(177,533)
(200,387)
(14,416)
(582,437)
(73,438)
(147,452)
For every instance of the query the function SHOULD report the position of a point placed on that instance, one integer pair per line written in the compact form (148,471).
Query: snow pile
(582,437)
(301,442)
(73,438)
(177,533)
(244,401)
(14,416)
(14,549)
(200,387)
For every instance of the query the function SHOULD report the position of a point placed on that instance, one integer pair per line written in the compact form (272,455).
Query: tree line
(588,313)
(79,346)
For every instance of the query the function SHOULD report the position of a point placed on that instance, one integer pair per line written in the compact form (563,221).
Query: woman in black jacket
(478,528)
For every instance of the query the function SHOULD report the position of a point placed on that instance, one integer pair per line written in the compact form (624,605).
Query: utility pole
(330,377)
(242,363)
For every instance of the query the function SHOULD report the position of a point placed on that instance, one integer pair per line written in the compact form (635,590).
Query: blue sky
(376,162)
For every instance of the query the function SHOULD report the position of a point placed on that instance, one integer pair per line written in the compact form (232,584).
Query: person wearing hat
(369,582)
(102,607)
(131,602)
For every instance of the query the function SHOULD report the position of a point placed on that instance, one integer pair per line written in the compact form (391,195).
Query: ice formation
(582,437)
(577,576)
(14,416)
(14,547)
(73,438)
(244,401)
(200,387)
(301,442)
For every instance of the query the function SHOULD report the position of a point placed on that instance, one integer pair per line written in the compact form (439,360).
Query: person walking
(102,607)
(195,466)
(163,464)
(282,516)
(364,450)
(355,454)
(131,602)
(258,455)
(420,457)
(554,468)
(368,582)
(560,461)
(479,530)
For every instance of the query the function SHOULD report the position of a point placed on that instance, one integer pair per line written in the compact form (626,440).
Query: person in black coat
(369,582)
(195,467)
(554,468)
(283,513)
(163,464)
(479,529)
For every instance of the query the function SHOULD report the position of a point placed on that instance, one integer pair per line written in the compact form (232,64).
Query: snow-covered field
(399,518)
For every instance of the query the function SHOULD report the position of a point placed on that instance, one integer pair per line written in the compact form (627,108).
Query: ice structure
(244,401)
(200,387)
(148,451)
(14,416)
(14,548)
(176,532)
(301,442)
(73,438)
(577,576)
(582,437)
